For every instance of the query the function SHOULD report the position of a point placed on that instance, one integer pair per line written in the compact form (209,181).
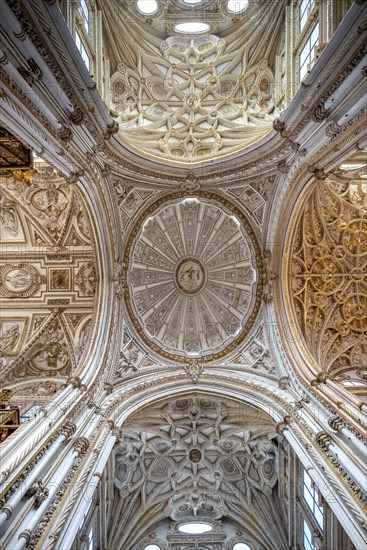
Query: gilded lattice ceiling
(194,283)
(187,98)
(327,274)
(48,281)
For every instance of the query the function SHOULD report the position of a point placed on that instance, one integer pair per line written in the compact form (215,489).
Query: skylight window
(351,166)
(193,1)
(147,7)
(152,547)
(192,27)
(241,546)
(355,383)
(236,6)
(308,53)
(195,528)
(311,496)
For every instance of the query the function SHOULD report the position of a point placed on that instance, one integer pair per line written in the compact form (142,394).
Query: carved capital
(108,388)
(320,113)
(112,128)
(317,172)
(38,491)
(74,176)
(4,59)
(283,425)
(323,440)
(283,167)
(336,423)
(26,534)
(65,134)
(279,126)
(74,381)
(69,429)
(321,378)
(8,510)
(284,382)
(81,445)
(77,116)
(332,129)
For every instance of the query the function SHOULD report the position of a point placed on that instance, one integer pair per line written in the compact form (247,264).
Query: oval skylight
(351,166)
(152,547)
(351,383)
(193,1)
(195,528)
(192,27)
(241,546)
(236,6)
(147,7)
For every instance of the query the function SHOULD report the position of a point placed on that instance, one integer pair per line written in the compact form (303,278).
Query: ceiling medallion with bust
(194,277)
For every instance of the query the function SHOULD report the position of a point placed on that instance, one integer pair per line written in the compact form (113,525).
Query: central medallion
(190,276)
(192,286)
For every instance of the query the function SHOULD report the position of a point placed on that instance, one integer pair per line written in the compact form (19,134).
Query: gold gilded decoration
(24,176)
(194,278)
(9,422)
(13,154)
(328,277)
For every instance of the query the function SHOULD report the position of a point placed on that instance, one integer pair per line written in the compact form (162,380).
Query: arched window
(152,547)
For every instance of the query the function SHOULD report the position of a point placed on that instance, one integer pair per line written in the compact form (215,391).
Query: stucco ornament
(192,98)
(327,277)
(192,278)
(194,458)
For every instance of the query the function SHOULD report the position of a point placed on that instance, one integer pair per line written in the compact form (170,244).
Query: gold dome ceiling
(327,274)
(194,283)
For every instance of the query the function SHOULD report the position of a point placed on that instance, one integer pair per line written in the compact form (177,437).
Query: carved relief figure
(53,357)
(9,339)
(17,279)
(9,218)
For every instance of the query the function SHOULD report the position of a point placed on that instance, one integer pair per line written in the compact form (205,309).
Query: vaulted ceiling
(190,98)
(252,269)
(197,458)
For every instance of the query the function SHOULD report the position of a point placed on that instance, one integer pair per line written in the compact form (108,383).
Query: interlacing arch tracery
(327,275)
